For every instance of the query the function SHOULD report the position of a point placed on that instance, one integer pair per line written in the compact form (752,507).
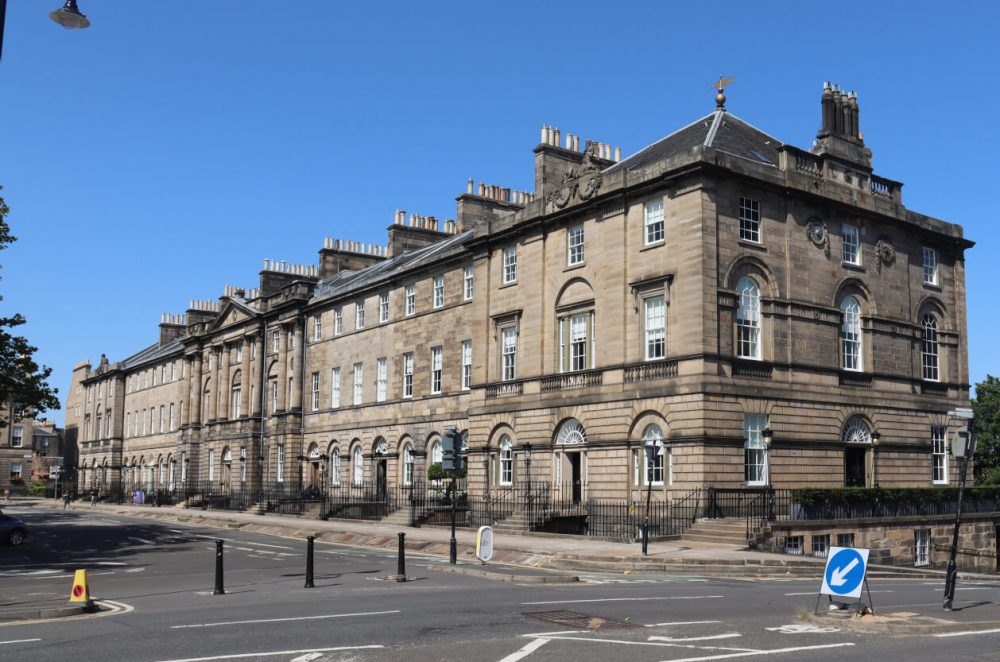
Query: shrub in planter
(36,488)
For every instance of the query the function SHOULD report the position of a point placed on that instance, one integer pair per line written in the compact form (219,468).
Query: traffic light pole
(453,544)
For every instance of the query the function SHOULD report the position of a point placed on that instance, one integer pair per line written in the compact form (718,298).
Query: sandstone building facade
(760,313)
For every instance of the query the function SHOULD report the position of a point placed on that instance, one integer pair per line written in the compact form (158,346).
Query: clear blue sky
(170,148)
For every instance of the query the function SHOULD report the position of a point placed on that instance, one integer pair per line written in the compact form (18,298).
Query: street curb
(34,614)
(508,577)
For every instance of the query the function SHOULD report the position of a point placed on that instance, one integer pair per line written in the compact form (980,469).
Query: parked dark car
(12,530)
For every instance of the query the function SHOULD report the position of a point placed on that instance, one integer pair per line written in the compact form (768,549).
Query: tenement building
(760,314)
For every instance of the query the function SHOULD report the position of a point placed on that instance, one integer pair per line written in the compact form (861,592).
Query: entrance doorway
(381,476)
(569,473)
(855,462)
(315,474)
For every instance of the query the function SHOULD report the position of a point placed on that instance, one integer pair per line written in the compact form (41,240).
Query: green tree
(986,424)
(22,381)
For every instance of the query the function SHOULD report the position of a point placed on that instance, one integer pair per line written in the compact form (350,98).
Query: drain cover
(576,620)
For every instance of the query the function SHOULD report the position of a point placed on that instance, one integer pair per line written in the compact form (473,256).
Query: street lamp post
(527,468)
(69,16)
(876,439)
(767,436)
(650,448)
(963,445)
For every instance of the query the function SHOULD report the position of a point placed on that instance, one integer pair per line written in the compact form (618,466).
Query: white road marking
(802,628)
(776,651)
(728,635)
(543,634)
(629,642)
(135,570)
(527,650)
(966,633)
(244,542)
(656,625)
(282,620)
(308,657)
(18,641)
(142,540)
(669,597)
(816,592)
(276,653)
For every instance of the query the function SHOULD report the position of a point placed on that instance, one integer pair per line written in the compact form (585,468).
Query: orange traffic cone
(80,595)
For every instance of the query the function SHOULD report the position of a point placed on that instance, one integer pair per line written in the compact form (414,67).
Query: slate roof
(151,353)
(351,281)
(719,130)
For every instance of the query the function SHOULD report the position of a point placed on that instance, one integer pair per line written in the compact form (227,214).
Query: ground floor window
(820,545)
(845,540)
(921,547)
(794,545)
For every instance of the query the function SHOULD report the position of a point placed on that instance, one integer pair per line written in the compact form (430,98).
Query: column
(246,379)
(297,367)
(258,374)
(282,369)
(194,397)
(224,386)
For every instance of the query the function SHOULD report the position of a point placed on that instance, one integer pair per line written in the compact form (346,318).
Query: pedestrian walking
(6,495)
(66,498)
(93,498)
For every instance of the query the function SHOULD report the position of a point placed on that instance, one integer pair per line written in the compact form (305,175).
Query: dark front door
(574,461)
(854,467)
(381,479)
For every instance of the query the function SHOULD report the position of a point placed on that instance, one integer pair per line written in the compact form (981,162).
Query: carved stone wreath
(819,234)
(885,251)
(584,181)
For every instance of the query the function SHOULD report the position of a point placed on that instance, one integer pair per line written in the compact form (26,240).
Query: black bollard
(401,561)
(309,562)
(219,588)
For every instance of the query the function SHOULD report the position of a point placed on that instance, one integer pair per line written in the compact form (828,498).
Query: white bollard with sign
(844,575)
(484,544)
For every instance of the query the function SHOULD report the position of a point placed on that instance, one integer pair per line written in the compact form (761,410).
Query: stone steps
(729,531)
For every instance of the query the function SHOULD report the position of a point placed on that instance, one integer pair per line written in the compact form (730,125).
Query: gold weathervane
(720,86)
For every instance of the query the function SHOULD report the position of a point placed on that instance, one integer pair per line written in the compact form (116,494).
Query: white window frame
(239,351)
(335,466)
(335,388)
(851,237)
(939,455)
(748,323)
(315,392)
(237,401)
(173,421)
(280,477)
(655,327)
(359,380)
(749,219)
(408,375)
(17,436)
(653,227)
(510,265)
(930,266)
(574,245)
(359,315)
(930,360)
(851,336)
(338,321)
(383,307)
(211,464)
(438,291)
(508,353)
(411,299)
(436,366)
(381,379)
(468,283)
(506,469)
(466,365)
(272,387)
(921,547)
(318,327)
(408,464)
(357,467)
(756,461)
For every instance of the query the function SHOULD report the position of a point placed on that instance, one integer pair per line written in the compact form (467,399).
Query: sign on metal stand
(845,575)
(484,544)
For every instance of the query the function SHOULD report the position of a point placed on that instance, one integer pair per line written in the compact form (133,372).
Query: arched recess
(852,286)
(357,460)
(753,267)
(334,461)
(574,292)
(569,462)
(857,434)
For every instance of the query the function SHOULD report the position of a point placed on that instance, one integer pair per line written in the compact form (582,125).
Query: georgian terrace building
(764,314)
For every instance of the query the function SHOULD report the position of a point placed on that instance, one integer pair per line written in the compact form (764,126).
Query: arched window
(437,454)
(237,400)
(929,350)
(571,433)
(381,448)
(358,467)
(850,334)
(654,472)
(407,463)
(334,466)
(748,320)
(506,461)
(856,431)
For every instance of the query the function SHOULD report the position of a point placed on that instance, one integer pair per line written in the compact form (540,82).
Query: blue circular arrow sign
(845,571)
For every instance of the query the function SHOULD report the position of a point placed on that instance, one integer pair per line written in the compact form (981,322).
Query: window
(654,472)
(315,392)
(921,547)
(850,334)
(173,421)
(237,399)
(506,461)
(654,222)
(435,370)
(381,377)
(466,365)
(930,266)
(239,351)
(574,245)
(575,342)
(272,388)
(438,291)
(275,345)
(338,321)
(101,394)
(184,467)
(508,359)
(173,371)
(383,307)
(749,220)
(748,320)
(335,467)
(243,465)
(510,264)
(469,283)
(411,299)
(144,421)
(281,464)
(15,471)
(655,328)
(335,387)
(359,315)
(408,375)
(939,455)
(845,540)
(358,467)
(856,431)
(358,382)
(318,327)
(852,244)
(128,423)
(407,464)
(211,465)
(794,545)
(17,436)
(929,349)
(291,340)
(756,464)
(163,422)
(820,545)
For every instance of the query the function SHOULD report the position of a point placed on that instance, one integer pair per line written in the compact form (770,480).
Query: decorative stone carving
(819,234)
(886,252)
(584,181)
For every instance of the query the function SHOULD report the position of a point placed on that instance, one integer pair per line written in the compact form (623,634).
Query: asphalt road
(157,579)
